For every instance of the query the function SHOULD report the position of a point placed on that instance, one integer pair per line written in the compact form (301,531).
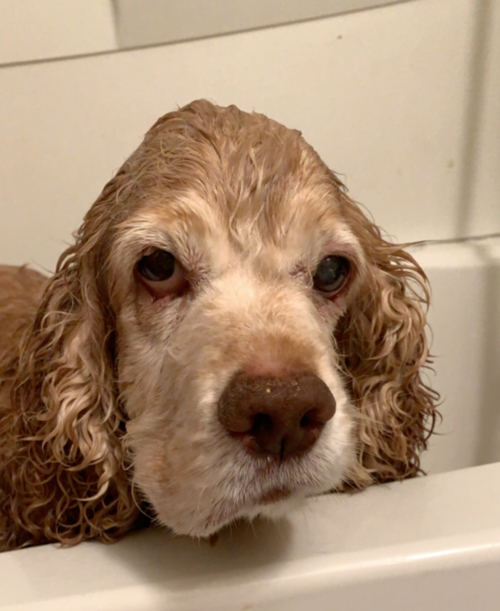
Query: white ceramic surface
(465,322)
(34,30)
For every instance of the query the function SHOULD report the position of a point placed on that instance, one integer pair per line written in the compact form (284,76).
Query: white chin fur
(270,511)
(274,511)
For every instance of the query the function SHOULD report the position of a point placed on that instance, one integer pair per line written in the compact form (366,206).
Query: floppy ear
(384,349)
(67,479)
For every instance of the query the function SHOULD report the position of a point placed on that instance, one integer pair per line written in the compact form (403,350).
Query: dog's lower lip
(274,495)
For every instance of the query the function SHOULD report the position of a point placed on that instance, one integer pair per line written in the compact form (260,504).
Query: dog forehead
(296,224)
(227,182)
(242,163)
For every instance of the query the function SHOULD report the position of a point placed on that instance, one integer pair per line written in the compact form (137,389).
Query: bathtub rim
(389,535)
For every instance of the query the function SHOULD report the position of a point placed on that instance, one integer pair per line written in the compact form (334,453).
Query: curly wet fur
(385,351)
(65,463)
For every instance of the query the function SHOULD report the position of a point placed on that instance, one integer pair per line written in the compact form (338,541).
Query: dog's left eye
(162,273)
(331,274)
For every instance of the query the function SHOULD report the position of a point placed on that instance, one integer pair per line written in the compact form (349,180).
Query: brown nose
(276,416)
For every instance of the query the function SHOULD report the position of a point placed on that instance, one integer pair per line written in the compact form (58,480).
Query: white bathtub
(431,543)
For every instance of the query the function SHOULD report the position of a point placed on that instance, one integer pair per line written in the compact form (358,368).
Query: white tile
(381,94)
(156,21)
(484,214)
(464,321)
(40,29)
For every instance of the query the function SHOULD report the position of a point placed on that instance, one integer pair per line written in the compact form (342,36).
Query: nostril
(311,419)
(261,423)
(306,421)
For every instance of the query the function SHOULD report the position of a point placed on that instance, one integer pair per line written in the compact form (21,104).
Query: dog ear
(384,350)
(66,480)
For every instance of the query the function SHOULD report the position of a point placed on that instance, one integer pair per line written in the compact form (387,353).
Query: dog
(228,335)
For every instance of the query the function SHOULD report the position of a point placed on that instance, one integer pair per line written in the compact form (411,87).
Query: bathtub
(430,543)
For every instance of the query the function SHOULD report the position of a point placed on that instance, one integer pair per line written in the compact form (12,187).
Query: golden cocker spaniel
(228,335)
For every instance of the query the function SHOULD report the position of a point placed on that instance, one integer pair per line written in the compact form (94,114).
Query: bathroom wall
(401,100)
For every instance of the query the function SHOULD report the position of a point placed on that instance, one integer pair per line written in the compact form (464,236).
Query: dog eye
(331,274)
(157,266)
(161,273)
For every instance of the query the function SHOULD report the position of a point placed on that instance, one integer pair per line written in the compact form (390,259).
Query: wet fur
(92,421)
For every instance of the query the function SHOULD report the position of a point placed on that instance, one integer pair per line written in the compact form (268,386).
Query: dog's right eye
(161,273)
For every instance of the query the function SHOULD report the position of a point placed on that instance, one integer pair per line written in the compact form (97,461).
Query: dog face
(228,335)
(209,286)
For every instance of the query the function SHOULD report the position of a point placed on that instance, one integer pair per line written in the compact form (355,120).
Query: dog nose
(276,416)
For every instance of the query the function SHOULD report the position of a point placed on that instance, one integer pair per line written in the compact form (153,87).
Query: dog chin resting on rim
(228,335)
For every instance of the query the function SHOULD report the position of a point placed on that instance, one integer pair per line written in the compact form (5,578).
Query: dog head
(228,335)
